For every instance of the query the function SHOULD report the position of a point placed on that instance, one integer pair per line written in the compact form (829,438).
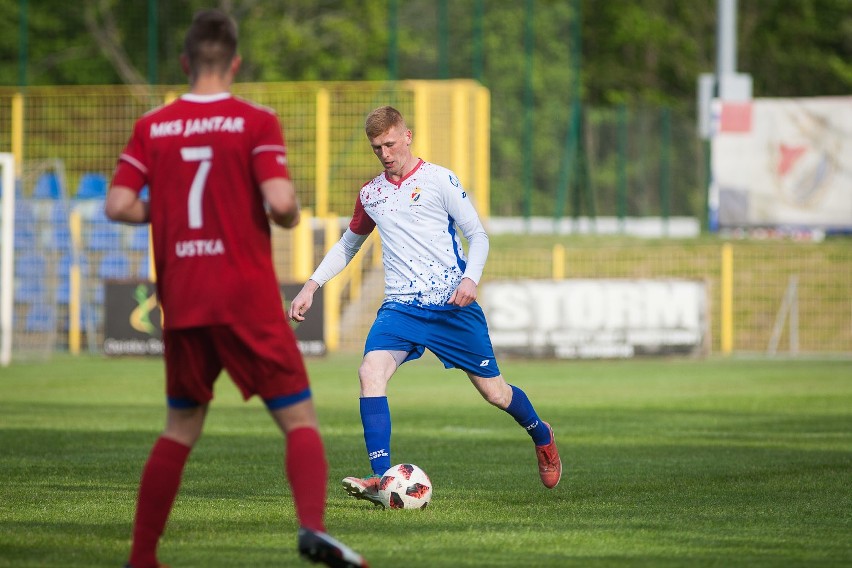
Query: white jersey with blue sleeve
(419,218)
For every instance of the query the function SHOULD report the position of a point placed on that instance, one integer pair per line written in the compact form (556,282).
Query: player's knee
(497,397)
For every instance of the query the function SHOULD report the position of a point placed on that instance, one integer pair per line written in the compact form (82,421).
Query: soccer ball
(405,486)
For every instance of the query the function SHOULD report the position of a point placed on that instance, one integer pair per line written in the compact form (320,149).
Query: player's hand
(465,294)
(301,304)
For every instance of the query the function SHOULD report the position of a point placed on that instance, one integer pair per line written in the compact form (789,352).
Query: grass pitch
(667,463)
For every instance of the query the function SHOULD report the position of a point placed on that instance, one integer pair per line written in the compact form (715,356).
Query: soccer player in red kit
(216,166)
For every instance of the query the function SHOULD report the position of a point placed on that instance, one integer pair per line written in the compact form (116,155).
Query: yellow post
(331,318)
(332,290)
(332,232)
(421,144)
(18,132)
(74,289)
(152,268)
(558,261)
(322,150)
(482,155)
(727,304)
(462,137)
(303,248)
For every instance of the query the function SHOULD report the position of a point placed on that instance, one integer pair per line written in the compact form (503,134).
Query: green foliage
(667,463)
(645,54)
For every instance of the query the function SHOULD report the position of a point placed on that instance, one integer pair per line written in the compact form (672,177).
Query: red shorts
(261,358)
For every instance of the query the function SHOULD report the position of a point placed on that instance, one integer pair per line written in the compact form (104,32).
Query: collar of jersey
(408,175)
(193,98)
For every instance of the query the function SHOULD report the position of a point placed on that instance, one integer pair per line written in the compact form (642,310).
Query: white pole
(726,38)
(7,251)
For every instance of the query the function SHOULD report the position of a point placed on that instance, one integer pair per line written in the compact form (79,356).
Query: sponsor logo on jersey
(199,247)
(454,180)
(375,203)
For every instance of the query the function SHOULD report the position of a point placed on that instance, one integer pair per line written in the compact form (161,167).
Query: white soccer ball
(405,486)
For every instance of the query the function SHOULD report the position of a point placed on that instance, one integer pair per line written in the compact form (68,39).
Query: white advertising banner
(782,163)
(596,318)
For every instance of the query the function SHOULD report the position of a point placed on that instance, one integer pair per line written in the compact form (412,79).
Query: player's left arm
(279,194)
(460,207)
(465,292)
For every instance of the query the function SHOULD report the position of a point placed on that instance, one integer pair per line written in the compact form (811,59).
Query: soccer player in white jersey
(430,293)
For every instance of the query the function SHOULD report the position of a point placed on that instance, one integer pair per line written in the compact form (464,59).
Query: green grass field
(667,463)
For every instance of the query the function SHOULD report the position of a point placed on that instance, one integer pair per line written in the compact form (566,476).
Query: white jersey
(417,218)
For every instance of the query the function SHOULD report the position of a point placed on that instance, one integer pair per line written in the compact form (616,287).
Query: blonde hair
(381,120)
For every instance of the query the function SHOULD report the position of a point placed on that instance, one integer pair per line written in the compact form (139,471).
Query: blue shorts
(457,336)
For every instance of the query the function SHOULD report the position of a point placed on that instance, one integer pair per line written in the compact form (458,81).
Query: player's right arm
(332,264)
(123,205)
(334,261)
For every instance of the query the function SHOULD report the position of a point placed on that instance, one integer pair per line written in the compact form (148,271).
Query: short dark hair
(210,42)
(381,120)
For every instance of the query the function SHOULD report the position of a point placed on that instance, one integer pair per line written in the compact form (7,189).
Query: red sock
(157,491)
(307,472)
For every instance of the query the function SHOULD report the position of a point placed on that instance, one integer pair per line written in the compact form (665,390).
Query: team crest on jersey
(415,195)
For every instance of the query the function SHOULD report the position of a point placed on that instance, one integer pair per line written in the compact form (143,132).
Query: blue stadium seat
(114,266)
(104,237)
(59,214)
(41,318)
(47,186)
(31,265)
(60,238)
(24,212)
(62,276)
(92,186)
(139,238)
(25,237)
(30,291)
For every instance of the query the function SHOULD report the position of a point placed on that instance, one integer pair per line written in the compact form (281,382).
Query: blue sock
(375,417)
(521,409)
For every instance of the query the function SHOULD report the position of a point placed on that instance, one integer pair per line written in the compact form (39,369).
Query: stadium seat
(59,214)
(63,271)
(139,238)
(24,212)
(30,265)
(60,237)
(25,236)
(30,291)
(103,237)
(41,318)
(114,266)
(47,186)
(92,186)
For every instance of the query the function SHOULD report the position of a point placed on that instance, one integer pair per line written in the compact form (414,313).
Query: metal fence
(66,140)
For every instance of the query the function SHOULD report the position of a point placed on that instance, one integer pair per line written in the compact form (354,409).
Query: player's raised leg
(515,402)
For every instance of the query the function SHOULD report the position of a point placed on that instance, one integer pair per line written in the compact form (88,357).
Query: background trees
(643,54)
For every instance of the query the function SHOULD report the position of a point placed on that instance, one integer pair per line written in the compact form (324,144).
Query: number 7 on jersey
(203,154)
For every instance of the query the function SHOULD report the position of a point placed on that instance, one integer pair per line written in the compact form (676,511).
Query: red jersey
(203,158)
